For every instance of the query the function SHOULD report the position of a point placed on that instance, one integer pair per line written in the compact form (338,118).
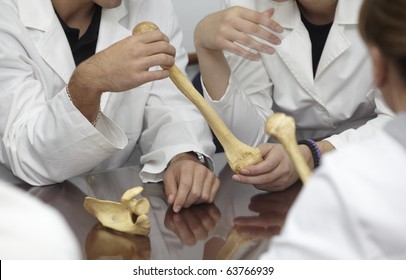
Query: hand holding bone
(283,129)
(238,154)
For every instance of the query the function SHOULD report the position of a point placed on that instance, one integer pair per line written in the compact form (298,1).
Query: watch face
(201,158)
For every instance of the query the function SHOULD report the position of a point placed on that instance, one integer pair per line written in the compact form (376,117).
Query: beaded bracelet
(316,154)
(98,113)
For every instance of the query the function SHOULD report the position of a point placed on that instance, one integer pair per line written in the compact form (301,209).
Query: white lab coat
(45,139)
(30,229)
(341,100)
(353,207)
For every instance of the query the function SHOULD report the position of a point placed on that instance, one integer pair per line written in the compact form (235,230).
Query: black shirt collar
(85,46)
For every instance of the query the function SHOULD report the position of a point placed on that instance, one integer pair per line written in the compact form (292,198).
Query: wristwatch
(200,157)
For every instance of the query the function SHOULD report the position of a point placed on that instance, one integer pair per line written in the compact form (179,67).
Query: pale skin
(125,65)
(225,31)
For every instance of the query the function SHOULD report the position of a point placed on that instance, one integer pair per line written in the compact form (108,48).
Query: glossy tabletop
(238,225)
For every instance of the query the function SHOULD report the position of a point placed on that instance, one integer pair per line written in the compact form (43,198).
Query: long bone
(283,129)
(238,154)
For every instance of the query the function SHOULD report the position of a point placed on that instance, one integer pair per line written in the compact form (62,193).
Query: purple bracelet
(316,154)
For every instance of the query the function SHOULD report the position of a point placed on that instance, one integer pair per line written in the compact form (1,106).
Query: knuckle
(195,194)
(205,197)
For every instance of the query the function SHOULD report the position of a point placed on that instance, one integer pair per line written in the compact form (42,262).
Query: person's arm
(231,30)
(48,138)
(123,66)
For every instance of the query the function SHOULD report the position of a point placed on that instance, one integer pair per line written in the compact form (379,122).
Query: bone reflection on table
(238,154)
(271,210)
(234,241)
(105,243)
(128,216)
(283,128)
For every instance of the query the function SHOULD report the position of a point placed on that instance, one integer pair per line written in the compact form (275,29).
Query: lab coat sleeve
(172,124)
(247,102)
(383,115)
(45,140)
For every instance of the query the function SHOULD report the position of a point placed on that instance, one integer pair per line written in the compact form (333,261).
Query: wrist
(314,151)
(85,98)
(197,157)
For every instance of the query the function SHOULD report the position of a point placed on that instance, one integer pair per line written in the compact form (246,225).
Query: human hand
(189,182)
(275,173)
(193,224)
(234,27)
(122,66)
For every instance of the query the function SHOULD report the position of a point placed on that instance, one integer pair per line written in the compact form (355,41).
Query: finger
(250,42)
(240,51)
(267,178)
(207,186)
(239,35)
(257,31)
(210,188)
(161,59)
(151,36)
(153,75)
(184,187)
(264,18)
(170,186)
(214,189)
(198,185)
(263,167)
(158,48)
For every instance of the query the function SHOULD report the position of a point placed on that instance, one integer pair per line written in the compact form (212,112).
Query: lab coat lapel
(337,43)
(296,49)
(111,30)
(40,15)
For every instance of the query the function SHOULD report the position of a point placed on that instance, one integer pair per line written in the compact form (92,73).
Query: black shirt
(85,46)
(318,37)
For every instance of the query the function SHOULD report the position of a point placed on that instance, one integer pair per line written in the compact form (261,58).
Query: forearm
(84,92)
(215,71)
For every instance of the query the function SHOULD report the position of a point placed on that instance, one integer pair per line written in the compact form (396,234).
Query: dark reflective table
(238,225)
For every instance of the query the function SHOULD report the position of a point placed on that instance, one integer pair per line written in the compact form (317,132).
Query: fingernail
(236,178)
(245,171)
(176,209)
(170,198)
(279,29)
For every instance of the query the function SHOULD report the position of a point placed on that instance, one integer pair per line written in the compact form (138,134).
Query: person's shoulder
(8,11)
(366,164)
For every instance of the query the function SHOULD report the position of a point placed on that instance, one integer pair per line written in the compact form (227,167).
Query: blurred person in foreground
(30,229)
